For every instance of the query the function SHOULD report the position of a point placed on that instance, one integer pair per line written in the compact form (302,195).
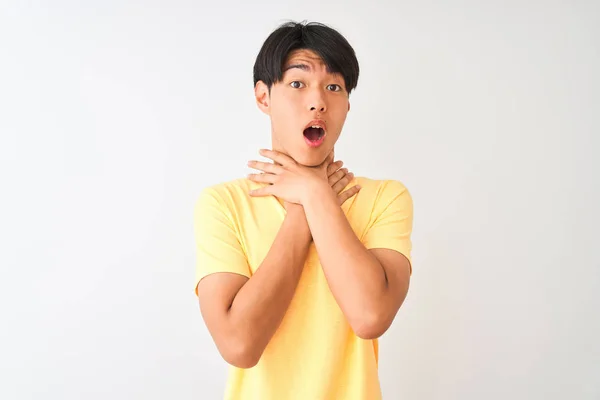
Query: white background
(115,114)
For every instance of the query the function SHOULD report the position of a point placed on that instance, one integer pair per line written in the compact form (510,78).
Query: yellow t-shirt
(314,354)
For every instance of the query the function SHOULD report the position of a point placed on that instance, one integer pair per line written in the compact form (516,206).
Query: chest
(259,225)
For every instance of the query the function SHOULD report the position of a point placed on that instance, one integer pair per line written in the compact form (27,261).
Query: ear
(261,93)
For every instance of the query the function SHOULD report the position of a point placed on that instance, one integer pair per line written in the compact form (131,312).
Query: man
(302,266)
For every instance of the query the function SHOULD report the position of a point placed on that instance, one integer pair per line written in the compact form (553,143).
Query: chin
(309,160)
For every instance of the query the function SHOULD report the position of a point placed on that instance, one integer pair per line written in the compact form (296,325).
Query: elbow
(242,361)
(240,354)
(371,326)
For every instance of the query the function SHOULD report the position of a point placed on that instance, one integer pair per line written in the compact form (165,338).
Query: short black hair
(326,42)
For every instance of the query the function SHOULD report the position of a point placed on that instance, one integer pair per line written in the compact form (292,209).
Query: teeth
(315,126)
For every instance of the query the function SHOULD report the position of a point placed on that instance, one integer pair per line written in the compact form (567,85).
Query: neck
(277,147)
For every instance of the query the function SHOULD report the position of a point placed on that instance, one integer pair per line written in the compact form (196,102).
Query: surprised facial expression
(307,108)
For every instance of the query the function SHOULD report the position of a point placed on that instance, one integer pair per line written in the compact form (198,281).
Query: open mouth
(314,134)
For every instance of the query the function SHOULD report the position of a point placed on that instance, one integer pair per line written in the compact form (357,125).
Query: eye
(296,84)
(334,87)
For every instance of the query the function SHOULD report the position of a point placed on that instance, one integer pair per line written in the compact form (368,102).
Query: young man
(302,266)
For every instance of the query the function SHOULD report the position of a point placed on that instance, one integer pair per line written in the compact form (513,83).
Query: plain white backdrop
(115,114)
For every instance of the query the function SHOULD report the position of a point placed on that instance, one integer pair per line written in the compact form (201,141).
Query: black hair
(326,42)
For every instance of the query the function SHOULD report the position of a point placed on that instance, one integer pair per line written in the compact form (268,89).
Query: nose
(317,102)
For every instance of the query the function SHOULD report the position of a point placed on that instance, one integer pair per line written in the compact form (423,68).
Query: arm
(243,314)
(369,285)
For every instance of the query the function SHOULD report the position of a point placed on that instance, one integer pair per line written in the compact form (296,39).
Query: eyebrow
(303,67)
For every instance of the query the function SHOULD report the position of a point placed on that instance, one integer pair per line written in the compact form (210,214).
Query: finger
(278,157)
(332,168)
(263,178)
(263,191)
(336,176)
(265,167)
(342,197)
(342,183)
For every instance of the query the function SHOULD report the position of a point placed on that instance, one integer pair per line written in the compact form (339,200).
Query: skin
(243,314)
(369,285)
(306,92)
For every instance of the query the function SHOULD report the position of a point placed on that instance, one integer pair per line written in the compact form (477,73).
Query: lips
(314,132)
(316,122)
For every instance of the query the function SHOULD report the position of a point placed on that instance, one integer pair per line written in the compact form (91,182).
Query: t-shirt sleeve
(391,220)
(218,247)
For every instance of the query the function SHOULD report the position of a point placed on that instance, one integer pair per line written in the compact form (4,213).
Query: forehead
(306,58)
(304,54)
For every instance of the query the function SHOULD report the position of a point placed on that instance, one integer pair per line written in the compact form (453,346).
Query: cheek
(286,105)
(340,114)
(289,115)
(284,119)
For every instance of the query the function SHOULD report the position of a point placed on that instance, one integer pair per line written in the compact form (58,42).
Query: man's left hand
(287,179)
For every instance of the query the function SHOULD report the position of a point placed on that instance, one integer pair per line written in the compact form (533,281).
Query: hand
(338,179)
(287,179)
(291,181)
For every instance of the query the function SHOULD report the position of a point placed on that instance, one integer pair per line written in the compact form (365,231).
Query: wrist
(318,191)
(296,216)
(293,208)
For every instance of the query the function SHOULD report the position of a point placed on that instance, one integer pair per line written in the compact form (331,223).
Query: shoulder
(236,187)
(382,189)
(383,196)
(225,195)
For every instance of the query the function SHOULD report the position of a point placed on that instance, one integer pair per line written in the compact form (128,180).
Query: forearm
(259,306)
(355,276)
